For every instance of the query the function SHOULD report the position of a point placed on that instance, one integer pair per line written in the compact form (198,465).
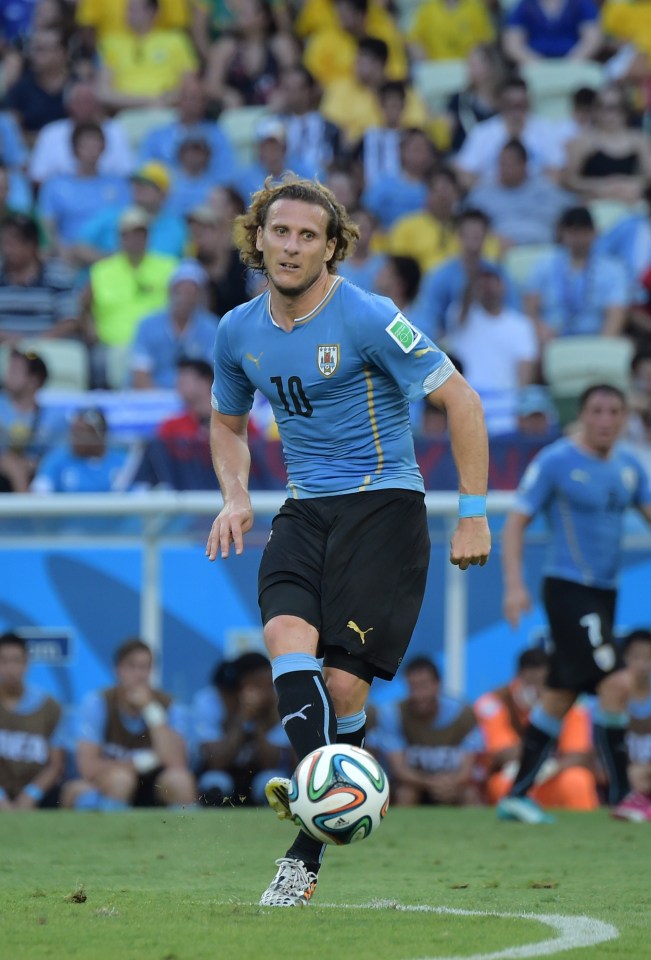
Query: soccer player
(343,573)
(31,735)
(583,485)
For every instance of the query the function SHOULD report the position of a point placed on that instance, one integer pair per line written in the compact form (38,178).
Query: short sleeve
(402,351)
(232,391)
(537,485)
(616,287)
(643,491)
(91,719)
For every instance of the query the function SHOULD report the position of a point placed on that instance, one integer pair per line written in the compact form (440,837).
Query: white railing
(156,507)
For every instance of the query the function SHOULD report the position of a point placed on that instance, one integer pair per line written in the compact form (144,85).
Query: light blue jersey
(583,499)
(339,384)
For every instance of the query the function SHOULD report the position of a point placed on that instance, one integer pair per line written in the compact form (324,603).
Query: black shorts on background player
(581,623)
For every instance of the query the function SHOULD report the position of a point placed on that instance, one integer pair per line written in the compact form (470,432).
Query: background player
(583,485)
(344,570)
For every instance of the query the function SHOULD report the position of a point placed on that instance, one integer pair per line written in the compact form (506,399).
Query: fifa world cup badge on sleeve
(403,333)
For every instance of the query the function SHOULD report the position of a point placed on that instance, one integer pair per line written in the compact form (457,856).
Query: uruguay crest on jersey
(327,358)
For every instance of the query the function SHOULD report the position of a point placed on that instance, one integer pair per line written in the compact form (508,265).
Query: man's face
(602,420)
(134,241)
(272,152)
(185,296)
(295,92)
(529,686)
(134,670)
(45,50)
(472,234)
(490,291)
(13,666)
(89,148)
(577,240)
(192,102)
(442,198)
(86,439)
(512,168)
(294,245)
(194,157)
(514,106)
(83,105)
(392,105)
(423,690)
(140,15)
(416,155)
(368,69)
(17,374)
(16,252)
(148,196)
(638,659)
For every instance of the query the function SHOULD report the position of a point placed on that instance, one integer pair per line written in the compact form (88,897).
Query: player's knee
(119,782)
(176,785)
(347,692)
(287,634)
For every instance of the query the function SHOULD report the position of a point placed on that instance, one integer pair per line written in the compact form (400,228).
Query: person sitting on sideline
(430,740)
(131,748)
(567,778)
(636,654)
(240,739)
(32,739)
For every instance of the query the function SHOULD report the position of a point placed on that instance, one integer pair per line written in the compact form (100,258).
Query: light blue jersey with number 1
(340,384)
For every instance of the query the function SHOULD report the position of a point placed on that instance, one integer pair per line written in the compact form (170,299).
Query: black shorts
(581,623)
(355,567)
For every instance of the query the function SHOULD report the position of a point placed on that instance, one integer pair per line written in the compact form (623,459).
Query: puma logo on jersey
(256,360)
(299,715)
(362,633)
(421,353)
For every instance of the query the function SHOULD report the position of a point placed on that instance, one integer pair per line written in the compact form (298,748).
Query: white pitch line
(572,932)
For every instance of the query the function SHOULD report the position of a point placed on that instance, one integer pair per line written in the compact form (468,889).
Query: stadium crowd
(496,158)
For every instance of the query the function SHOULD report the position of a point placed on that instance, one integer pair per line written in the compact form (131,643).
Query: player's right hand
(516,602)
(232,523)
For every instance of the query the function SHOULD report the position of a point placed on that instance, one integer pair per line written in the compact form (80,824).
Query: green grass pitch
(156,885)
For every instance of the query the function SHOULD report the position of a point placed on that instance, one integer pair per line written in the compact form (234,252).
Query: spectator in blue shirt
(12,148)
(86,464)
(272,159)
(193,177)
(184,329)
(393,197)
(162,143)
(576,290)
(68,203)
(363,266)
(629,241)
(150,186)
(445,285)
(553,29)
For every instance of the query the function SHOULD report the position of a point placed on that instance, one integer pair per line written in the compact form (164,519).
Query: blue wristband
(34,792)
(471,505)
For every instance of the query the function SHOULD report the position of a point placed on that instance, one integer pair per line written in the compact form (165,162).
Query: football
(339,794)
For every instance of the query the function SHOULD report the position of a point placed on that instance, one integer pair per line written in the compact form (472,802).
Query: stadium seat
(606,213)
(239,124)
(436,80)
(66,360)
(137,123)
(555,78)
(570,364)
(519,261)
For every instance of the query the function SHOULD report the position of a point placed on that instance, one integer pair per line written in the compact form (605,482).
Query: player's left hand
(471,543)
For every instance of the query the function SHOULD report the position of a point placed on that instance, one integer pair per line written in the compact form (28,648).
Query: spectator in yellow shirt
(449,29)
(330,51)
(430,235)
(144,66)
(97,18)
(353,103)
(629,21)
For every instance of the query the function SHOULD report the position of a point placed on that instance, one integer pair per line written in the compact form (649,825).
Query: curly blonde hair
(340,227)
